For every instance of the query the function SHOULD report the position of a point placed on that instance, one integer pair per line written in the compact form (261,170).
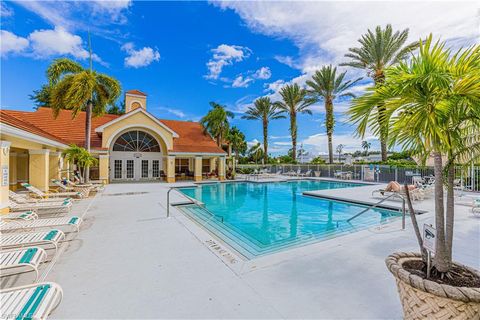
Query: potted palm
(84,160)
(432,107)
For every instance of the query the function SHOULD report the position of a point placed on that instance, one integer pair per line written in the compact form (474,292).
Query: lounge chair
(21,215)
(20,258)
(24,198)
(44,195)
(62,222)
(43,238)
(307,173)
(61,186)
(42,208)
(96,184)
(33,301)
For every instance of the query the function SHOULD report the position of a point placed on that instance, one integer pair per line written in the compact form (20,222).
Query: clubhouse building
(135,146)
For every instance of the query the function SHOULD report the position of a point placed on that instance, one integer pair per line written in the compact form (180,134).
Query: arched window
(136,141)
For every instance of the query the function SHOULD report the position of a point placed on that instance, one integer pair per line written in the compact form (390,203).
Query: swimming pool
(256,219)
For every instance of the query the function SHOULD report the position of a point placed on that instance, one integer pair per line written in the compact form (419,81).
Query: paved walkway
(129,261)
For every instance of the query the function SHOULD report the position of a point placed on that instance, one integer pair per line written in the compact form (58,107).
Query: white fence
(469,178)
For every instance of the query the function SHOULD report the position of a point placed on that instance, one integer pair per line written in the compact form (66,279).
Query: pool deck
(130,261)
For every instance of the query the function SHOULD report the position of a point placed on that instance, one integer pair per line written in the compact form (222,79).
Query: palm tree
(431,104)
(366,145)
(327,86)
(294,100)
(216,122)
(236,138)
(264,110)
(340,150)
(380,49)
(81,157)
(76,88)
(256,152)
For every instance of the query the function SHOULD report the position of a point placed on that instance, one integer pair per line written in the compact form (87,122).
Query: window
(117,173)
(181,165)
(206,166)
(156,168)
(136,141)
(144,168)
(130,170)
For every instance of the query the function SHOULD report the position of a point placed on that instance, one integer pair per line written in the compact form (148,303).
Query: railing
(469,178)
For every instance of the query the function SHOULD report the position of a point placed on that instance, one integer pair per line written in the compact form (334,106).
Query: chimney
(135,99)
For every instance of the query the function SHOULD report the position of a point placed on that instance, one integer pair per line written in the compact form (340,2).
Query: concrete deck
(129,261)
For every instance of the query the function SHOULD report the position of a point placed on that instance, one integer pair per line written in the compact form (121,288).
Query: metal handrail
(381,201)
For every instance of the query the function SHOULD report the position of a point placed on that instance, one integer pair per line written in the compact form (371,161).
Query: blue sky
(185,54)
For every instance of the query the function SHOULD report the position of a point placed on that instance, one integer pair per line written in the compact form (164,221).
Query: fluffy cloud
(225,55)
(11,43)
(263,73)
(46,43)
(242,81)
(318,143)
(139,58)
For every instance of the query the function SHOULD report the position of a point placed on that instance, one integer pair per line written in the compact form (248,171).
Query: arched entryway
(136,155)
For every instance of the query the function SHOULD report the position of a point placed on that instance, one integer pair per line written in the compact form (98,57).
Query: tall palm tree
(76,88)
(366,145)
(264,110)
(256,152)
(378,50)
(216,122)
(431,104)
(326,85)
(236,138)
(294,100)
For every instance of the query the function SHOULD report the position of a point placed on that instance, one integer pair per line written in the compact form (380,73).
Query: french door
(145,167)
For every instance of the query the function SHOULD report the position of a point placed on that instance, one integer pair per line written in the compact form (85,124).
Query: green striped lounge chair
(20,215)
(51,208)
(19,259)
(61,223)
(24,198)
(42,238)
(39,193)
(34,301)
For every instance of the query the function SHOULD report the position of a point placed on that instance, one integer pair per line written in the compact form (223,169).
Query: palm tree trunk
(265,140)
(379,78)
(416,228)
(450,212)
(88,128)
(440,260)
(329,125)
(293,131)
(383,146)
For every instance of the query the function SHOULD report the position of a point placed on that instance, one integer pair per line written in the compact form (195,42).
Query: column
(38,166)
(5,168)
(103,164)
(54,166)
(171,169)
(212,164)
(198,169)
(221,168)
(66,166)
(13,171)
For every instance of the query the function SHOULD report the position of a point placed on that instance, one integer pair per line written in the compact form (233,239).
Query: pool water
(261,218)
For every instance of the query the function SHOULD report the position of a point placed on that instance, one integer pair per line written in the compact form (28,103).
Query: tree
(378,50)
(41,97)
(237,140)
(366,145)
(432,106)
(81,157)
(76,88)
(326,85)
(264,110)
(318,160)
(256,152)
(117,109)
(294,100)
(340,150)
(216,122)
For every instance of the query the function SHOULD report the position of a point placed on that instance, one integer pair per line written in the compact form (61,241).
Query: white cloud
(323,31)
(57,42)
(139,58)
(263,73)
(287,60)
(5,11)
(318,143)
(241,82)
(177,112)
(225,55)
(11,43)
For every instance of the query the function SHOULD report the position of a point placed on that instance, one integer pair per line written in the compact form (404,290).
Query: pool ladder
(378,203)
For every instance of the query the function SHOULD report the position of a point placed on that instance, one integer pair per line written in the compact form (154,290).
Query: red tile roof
(137,92)
(66,129)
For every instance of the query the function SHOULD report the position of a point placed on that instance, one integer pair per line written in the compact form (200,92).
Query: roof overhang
(216,154)
(129,114)
(22,134)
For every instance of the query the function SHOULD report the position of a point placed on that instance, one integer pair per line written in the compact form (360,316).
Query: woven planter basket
(425,299)
(83,189)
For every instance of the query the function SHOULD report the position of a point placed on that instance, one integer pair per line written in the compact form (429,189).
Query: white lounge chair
(18,259)
(33,301)
(98,185)
(24,198)
(43,238)
(21,215)
(63,222)
(44,195)
(307,173)
(61,186)
(43,208)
